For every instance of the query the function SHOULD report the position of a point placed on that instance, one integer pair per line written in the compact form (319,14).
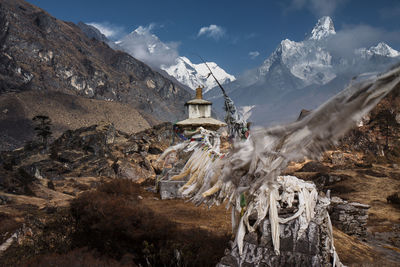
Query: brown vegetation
(114,221)
(113,226)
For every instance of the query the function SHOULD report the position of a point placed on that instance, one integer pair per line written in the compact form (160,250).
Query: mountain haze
(146,46)
(302,75)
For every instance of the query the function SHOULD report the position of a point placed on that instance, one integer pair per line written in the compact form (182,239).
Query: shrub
(113,221)
(120,187)
(53,236)
(7,226)
(110,226)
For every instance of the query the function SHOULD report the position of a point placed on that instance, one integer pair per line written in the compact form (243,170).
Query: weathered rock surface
(310,249)
(351,218)
(95,151)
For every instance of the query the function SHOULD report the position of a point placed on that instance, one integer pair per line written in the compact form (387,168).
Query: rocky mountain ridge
(41,53)
(49,54)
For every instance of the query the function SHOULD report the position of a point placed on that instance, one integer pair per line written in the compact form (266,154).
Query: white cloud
(254,54)
(317,7)
(344,41)
(212,31)
(111,31)
(144,45)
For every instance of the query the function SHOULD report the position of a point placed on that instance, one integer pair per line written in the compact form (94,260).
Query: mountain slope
(302,75)
(66,112)
(41,53)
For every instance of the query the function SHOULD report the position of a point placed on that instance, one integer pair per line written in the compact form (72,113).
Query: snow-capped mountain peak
(141,36)
(146,46)
(384,50)
(323,28)
(139,30)
(302,74)
(305,60)
(381,49)
(194,75)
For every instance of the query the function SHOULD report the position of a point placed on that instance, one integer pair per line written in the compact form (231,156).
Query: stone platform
(169,189)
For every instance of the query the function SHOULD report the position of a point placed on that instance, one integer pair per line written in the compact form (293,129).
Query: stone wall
(350,218)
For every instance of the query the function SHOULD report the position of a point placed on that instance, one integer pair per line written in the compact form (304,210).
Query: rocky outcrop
(65,111)
(95,151)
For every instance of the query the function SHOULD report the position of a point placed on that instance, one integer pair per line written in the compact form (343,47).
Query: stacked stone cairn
(302,235)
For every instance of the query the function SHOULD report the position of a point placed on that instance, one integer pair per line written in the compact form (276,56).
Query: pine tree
(386,122)
(42,128)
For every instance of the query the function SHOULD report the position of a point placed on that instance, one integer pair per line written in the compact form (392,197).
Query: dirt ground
(217,219)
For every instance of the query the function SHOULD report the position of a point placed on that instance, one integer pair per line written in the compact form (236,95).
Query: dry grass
(354,253)
(373,191)
(217,219)
(66,112)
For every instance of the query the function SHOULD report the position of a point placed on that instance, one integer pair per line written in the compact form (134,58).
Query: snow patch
(323,29)
(382,49)
(194,75)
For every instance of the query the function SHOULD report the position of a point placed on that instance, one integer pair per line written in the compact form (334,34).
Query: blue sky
(236,34)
